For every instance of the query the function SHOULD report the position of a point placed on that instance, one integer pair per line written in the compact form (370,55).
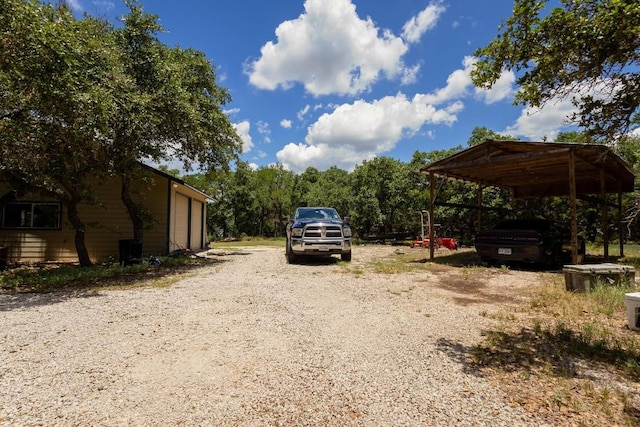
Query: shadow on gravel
(19,301)
(27,296)
(459,353)
(527,351)
(317,260)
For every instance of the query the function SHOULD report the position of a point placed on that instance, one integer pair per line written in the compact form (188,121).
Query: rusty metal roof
(538,169)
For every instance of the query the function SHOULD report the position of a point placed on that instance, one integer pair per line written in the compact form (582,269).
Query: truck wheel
(291,257)
(346,256)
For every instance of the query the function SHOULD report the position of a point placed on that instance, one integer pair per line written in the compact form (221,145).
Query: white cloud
(242,129)
(361,130)
(75,5)
(263,128)
(285,123)
(502,89)
(418,25)
(459,85)
(303,112)
(104,4)
(555,115)
(535,124)
(330,50)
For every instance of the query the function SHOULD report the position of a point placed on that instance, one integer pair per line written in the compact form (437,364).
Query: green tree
(584,46)
(174,110)
(332,188)
(481,134)
(218,186)
(243,200)
(302,185)
(380,188)
(274,187)
(59,78)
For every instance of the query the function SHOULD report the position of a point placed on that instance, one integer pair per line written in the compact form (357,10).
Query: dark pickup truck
(317,231)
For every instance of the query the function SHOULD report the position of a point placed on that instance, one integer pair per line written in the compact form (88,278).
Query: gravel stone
(254,341)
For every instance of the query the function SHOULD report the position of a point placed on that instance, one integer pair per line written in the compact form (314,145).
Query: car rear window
(522,224)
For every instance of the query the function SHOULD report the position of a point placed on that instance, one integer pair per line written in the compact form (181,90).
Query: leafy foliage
(82,101)
(385,196)
(58,83)
(587,51)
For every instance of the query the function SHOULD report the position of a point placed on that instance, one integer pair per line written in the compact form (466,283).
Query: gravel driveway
(253,341)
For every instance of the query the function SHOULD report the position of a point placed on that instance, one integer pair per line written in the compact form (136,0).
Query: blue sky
(335,82)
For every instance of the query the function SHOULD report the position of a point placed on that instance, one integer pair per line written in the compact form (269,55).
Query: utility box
(633,310)
(130,251)
(582,278)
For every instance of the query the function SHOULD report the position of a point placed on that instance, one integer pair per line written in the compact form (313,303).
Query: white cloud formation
(459,85)
(538,123)
(231,111)
(415,27)
(285,123)
(103,4)
(75,5)
(263,127)
(242,129)
(303,112)
(535,124)
(361,130)
(330,50)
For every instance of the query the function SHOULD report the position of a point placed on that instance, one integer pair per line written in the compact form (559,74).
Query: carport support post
(479,201)
(604,216)
(620,221)
(432,200)
(574,215)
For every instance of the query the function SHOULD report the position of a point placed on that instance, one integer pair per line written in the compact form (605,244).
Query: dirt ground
(248,339)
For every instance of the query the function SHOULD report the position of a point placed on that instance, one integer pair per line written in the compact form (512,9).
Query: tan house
(34,229)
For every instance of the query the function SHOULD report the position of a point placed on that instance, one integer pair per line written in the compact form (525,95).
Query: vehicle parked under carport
(535,241)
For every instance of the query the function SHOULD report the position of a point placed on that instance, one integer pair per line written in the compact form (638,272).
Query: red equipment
(440,242)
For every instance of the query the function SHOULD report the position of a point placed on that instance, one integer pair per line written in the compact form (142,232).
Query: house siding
(107,223)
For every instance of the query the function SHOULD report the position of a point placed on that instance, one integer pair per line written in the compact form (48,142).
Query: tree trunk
(78,225)
(135,213)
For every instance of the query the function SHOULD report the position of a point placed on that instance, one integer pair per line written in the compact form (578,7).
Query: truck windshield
(317,213)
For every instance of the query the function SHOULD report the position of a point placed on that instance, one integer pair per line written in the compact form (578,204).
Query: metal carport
(540,169)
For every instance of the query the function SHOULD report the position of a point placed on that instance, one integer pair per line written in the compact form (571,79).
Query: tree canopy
(82,101)
(586,50)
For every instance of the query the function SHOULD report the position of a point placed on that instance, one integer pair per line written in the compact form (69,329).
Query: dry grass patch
(567,356)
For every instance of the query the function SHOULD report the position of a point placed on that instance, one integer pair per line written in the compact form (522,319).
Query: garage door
(197,215)
(180,237)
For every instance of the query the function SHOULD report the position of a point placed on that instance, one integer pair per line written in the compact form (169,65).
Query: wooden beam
(432,199)
(620,228)
(479,201)
(604,218)
(474,207)
(572,202)
(496,161)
